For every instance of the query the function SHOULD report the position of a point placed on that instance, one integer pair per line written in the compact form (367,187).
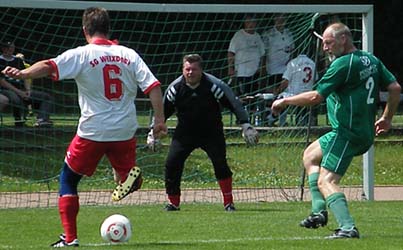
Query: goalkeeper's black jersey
(199,110)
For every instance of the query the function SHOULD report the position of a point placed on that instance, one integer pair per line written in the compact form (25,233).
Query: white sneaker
(63,243)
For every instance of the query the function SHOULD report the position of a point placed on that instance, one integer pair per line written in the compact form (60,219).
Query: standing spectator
(298,77)
(107,77)
(279,44)
(351,87)
(20,93)
(197,98)
(246,58)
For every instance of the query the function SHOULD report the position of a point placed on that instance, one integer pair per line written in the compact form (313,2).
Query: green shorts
(338,152)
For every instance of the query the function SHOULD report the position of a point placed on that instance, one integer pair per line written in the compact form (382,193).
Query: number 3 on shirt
(308,76)
(112,83)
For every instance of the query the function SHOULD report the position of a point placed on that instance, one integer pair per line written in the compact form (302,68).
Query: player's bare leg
(312,158)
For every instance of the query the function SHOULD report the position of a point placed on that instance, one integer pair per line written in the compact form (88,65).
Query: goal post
(162,34)
(368,157)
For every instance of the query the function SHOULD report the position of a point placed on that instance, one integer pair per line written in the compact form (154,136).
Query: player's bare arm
(384,123)
(309,98)
(159,128)
(38,70)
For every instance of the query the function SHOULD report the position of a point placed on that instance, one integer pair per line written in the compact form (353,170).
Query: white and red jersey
(107,77)
(300,73)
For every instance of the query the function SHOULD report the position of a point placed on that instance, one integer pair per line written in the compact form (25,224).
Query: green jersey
(351,87)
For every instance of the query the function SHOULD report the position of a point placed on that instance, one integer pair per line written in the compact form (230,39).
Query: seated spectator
(19,92)
(3,101)
(298,77)
(29,81)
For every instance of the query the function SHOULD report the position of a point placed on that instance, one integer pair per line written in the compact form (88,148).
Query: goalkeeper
(197,98)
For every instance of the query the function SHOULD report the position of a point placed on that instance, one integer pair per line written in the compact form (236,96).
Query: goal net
(31,158)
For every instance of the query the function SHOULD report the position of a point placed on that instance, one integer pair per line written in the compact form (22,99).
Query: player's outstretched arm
(230,101)
(38,70)
(308,98)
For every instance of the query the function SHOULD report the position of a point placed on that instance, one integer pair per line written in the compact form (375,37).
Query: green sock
(318,202)
(338,205)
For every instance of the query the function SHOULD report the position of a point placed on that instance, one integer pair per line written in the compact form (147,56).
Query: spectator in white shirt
(246,58)
(279,44)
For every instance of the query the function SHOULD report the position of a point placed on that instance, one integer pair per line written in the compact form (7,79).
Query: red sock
(226,189)
(174,199)
(68,210)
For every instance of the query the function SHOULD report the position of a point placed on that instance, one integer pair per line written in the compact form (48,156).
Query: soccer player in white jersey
(107,77)
(298,77)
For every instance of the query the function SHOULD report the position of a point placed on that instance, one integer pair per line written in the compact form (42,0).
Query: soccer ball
(116,228)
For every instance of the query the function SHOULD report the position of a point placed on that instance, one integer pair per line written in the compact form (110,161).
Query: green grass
(277,161)
(267,165)
(31,160)
(206,226)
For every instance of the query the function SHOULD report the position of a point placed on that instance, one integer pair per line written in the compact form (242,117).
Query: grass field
(253,167)
(206,226)
(201,225)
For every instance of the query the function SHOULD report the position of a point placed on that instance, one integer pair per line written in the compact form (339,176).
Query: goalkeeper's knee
(68,181)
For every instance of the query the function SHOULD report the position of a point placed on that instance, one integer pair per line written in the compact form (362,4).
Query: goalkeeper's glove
(249,134)
(152,143)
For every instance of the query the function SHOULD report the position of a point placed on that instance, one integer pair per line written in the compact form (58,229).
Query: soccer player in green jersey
(350,87)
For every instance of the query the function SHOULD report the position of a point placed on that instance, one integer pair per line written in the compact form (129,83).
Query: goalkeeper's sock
(318,202)
(337,203)
(226,189)
(174,199)
(68,210)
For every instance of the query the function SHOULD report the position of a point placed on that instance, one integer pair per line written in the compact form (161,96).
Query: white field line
(212,241)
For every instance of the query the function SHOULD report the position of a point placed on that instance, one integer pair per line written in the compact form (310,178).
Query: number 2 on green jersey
(369,85)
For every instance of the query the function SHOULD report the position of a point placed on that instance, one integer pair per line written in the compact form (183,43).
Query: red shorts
(83,155)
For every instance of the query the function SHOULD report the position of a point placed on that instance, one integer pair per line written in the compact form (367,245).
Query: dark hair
(96,20)
(6,44)
(249,17)
(192,58)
